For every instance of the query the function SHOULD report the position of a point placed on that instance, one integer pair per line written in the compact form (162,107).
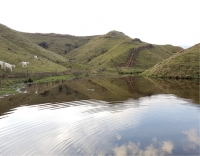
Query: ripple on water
(91,126)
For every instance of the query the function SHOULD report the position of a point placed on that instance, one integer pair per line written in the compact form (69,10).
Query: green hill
(96,47)
(115,49)
(15,48)
(135,54)
(56,51)
(184,64)
(58,43)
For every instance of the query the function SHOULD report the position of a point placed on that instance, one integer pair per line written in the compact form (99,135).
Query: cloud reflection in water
(192,141)
(154,149)
(94,127)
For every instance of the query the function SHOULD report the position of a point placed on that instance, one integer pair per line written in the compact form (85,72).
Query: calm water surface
(102,116)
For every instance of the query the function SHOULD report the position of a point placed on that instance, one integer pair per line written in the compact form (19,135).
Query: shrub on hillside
(44,45)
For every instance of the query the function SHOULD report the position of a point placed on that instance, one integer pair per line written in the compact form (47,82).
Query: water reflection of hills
(99,88)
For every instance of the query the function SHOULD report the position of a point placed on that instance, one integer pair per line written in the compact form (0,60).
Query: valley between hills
(113,53)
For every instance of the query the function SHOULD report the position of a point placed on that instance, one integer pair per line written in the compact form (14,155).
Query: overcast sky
(175,22)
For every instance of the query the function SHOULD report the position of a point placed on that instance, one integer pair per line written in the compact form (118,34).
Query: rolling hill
(97,47)
(58,43)
(57,52)
(184,64)
(113,49)
(15,48)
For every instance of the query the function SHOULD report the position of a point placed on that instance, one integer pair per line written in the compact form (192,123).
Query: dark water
(102,116)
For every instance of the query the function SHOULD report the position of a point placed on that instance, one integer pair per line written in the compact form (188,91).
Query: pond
(102,116)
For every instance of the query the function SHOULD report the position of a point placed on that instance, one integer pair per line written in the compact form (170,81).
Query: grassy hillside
(138,55)
(96,47)
(115,49)
(184,64)
(58,43)
(111,50)
(15,48)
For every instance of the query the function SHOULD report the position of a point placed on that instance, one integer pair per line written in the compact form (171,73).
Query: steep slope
(96,47)
(135,54)
(184,64)
(15,48)
(118,55)
(111,50)
(61,44)
(115,49)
